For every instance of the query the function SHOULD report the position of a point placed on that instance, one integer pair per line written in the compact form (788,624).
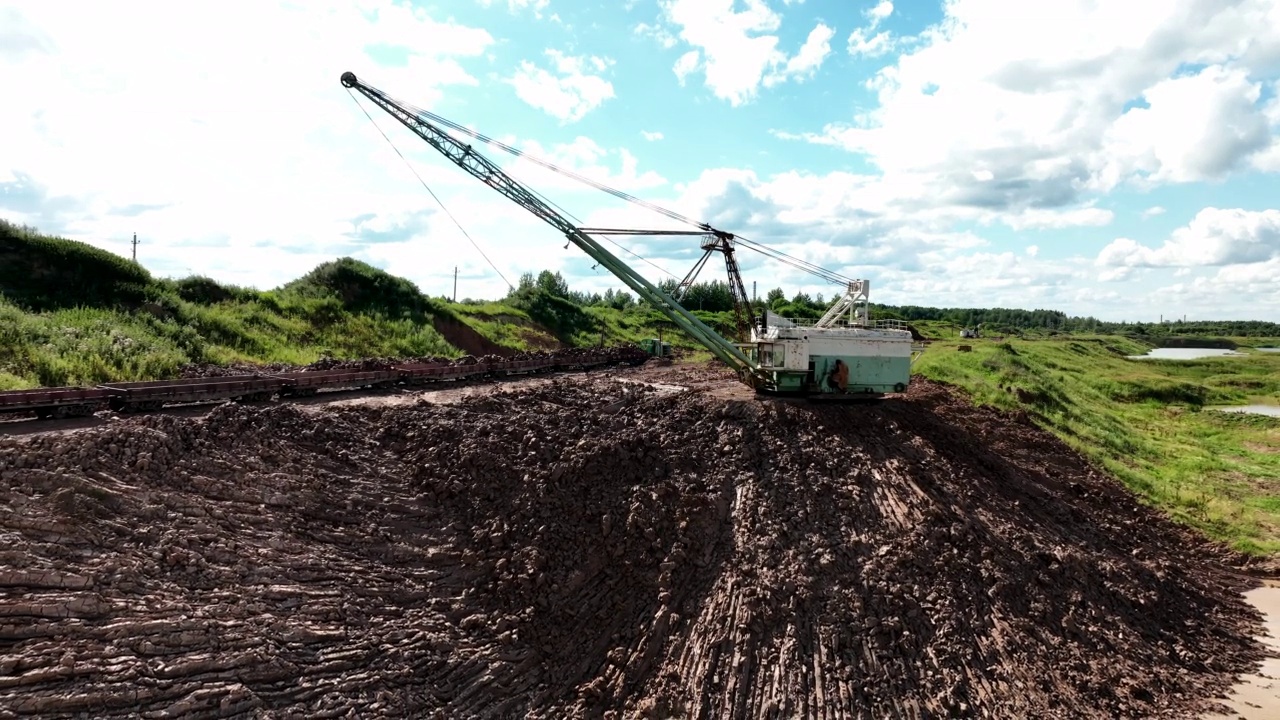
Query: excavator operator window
(767,355)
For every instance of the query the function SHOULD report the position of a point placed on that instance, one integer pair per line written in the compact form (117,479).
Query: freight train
(126,397)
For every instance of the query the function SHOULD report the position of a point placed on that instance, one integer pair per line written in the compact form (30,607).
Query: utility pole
(455,283)
(135,247)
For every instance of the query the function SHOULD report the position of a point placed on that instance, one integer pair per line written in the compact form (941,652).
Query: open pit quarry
(647,542)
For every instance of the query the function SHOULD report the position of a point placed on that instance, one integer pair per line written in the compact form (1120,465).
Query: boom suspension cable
(773,253)
(429,190)
(769,252)
(541,196)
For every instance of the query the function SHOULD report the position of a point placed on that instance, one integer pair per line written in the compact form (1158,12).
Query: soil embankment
(464,337)
(584,546)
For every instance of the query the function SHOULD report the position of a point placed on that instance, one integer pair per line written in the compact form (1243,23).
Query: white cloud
(1245,277)
(1005,106)
(806,62)
(852,224)
(517,5)
(865,40)
(1268,160)
(1213,237)
(19,37)
(686,65)
(659,33)
(737,51)
(1245,292)
(214,126)
(1273,107)
(1044,219)
(874,46)
(1152,212)
(1197,127)
(240,154)
(1116,274)
(651,136)
(586,158)
(568,93)
(880,12)
(835,219)
(985,279)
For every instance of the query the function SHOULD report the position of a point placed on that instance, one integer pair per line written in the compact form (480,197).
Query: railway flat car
(305,384)
(522,367)
(155,394)
(55,402)
(419,373)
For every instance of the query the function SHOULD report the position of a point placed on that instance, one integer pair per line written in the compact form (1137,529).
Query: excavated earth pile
(585,549)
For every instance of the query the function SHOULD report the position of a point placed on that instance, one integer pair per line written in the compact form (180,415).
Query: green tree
(775,298)
(713,296)
(553,283)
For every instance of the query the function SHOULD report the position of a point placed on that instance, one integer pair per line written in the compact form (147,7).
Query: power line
(429,190)
(640,257)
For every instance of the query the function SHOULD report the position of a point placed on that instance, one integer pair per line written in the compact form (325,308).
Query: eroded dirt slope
(585,548)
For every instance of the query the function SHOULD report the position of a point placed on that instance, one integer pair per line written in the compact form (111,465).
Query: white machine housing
(877,358)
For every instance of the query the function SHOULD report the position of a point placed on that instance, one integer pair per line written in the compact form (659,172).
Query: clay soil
(583,547)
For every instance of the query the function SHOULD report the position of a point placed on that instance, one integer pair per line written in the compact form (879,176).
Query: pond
(1272,410)
(1184,353)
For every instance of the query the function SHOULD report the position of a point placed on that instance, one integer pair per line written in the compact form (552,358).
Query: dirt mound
(466,338)
(587,546)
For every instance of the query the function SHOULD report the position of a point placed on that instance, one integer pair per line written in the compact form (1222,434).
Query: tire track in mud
(588,549)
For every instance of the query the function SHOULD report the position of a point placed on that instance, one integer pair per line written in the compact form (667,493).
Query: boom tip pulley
(349,79)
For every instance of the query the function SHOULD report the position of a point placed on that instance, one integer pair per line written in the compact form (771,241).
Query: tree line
(715,296)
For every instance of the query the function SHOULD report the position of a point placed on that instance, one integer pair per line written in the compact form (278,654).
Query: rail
(885,324)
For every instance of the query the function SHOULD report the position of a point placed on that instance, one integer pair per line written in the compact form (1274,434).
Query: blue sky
(1113,159)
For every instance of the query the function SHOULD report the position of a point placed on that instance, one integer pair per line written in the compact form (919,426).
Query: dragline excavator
(843,354)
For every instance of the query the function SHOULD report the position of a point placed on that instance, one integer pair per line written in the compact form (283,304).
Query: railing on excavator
(885,324)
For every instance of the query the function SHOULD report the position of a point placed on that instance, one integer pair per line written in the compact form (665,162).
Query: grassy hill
(71,313)
(1150,423)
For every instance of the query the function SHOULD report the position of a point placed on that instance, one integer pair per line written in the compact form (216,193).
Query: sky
(1120,159)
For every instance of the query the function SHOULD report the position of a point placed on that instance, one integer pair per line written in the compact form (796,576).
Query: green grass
(1147,422)
(72,314)
(93,345)
(643,322)
(505,325)
(536,321)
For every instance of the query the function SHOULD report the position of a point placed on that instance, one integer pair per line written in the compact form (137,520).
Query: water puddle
(662,388)
(1272,410)
(1184,354)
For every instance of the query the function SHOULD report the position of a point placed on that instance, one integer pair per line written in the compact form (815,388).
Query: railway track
(61,403)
